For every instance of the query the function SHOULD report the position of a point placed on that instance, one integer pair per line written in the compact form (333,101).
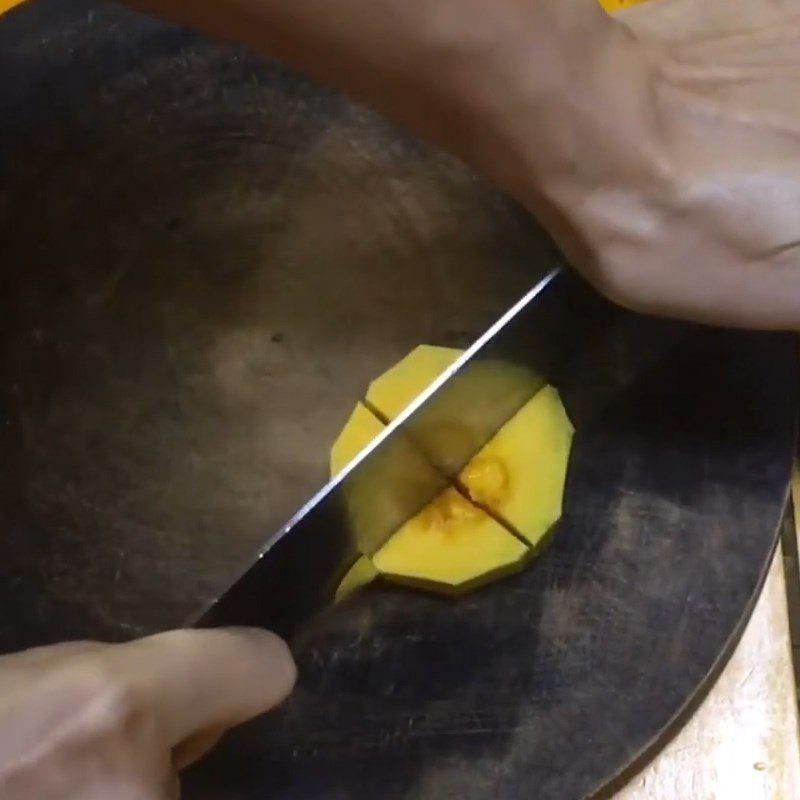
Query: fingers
(164,701)
(41,656)
(208,680)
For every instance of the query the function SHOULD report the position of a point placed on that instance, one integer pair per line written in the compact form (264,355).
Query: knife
(297,571)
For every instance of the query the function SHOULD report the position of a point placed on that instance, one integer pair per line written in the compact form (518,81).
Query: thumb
(201,680)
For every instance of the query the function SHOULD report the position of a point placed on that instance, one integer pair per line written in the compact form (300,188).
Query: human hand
(671,176)
(87,721)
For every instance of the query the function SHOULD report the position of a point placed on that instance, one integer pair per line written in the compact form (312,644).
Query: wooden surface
(743,740)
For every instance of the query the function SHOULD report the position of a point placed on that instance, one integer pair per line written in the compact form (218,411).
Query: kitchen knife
(296,573)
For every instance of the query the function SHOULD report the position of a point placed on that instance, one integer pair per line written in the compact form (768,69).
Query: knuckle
(113,702)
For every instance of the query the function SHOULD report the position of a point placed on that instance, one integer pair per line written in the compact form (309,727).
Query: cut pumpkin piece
(515,482)
(397,387)
(520,474)
(399,477)
(460,419)
(450,546)
(358,576)
(359,430)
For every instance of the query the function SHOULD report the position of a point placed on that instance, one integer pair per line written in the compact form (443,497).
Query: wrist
(568,135)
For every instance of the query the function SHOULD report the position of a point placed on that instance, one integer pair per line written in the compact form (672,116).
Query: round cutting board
(204,259)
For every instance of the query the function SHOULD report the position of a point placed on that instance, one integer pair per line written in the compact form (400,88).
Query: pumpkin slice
(397,387)
(359,430)
(451,429)
(381,496)
(358,576)
(451,546)
(515,482)
(519,475)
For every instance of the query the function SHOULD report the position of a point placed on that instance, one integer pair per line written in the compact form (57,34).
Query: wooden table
(743,742)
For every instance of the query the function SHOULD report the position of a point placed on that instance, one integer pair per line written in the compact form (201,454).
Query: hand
(675,186)
(86,721)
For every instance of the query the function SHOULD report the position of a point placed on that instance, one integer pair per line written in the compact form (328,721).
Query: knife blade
(297,571)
